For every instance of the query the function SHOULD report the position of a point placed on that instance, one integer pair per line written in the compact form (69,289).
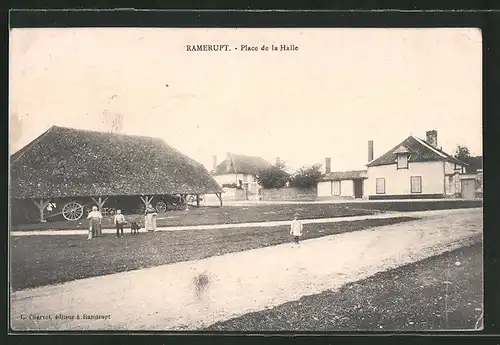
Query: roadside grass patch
(429,295)
(45,260)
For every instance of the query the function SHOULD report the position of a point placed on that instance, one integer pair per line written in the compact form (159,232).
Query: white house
(239,171)
(341,184)
(414,168)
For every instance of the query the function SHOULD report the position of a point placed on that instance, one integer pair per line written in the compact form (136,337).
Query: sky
(341,88)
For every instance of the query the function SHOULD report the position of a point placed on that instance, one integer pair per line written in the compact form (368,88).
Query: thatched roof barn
(241,164)
(65,162)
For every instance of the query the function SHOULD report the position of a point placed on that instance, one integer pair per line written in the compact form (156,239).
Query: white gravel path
(385,215)
(168,297)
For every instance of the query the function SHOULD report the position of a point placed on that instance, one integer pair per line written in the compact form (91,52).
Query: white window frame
(377,185)
(400,155)
(419,178)
(335,193)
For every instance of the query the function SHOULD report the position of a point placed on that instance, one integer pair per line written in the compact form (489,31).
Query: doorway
(468,188)
(358,189)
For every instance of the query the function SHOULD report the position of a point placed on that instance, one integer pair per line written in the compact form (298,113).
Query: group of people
(150,215)
(119,221)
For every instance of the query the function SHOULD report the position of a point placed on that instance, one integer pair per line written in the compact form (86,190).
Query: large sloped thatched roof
(419,150)
(66,162)
(241,164)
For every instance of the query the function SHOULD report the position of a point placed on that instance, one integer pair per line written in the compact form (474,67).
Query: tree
(306,177)
(273,177)
(463,154)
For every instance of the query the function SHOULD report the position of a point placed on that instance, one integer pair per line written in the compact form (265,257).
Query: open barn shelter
(65,171)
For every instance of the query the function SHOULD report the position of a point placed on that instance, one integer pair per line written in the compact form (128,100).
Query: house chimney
(278,161)
(432,138)
(214,162)
(328,165)
(370,150)
(228,161)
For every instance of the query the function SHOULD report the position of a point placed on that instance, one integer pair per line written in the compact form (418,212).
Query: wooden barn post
(219,195)
(41,204)
(197,200)
(147,200)
(100,202)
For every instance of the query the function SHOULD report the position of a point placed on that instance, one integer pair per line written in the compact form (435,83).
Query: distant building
(342,184)
(415,168)
(239,171)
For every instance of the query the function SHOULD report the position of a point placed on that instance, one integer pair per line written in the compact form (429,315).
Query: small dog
(134,228)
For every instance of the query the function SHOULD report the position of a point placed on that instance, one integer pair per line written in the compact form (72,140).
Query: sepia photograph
(245,179)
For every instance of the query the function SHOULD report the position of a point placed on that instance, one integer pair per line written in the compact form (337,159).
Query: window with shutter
(403,161)
(416,184)
(335,187)
(380,185)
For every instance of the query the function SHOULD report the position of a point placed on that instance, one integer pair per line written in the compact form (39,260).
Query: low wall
(417,204)
(336,197)
(406,196)
(290,194)
(230,194)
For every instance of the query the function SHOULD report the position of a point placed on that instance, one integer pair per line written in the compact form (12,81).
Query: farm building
(415,168)
(66,171)
(343,184)
(239,171)
(472,184)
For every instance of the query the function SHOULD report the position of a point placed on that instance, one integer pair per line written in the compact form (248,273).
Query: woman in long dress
(150,219)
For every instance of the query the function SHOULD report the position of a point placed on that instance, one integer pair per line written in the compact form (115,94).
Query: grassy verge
(218,215)
(269,212)
(433,294)
(43,260)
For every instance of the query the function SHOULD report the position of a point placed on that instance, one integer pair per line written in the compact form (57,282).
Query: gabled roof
(419,151)
(344,175)
(66,162)
(241,164)
(401,149)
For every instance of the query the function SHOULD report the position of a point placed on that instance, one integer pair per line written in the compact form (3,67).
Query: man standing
(95,218)
(119,222)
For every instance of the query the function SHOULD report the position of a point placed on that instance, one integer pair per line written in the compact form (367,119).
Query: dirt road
(444,292)
(192,295)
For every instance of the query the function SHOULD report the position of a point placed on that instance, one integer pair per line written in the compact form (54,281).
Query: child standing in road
(119,222)
(296,228)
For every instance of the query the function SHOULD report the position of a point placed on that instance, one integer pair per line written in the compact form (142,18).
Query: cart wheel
(72,211)
(161,206)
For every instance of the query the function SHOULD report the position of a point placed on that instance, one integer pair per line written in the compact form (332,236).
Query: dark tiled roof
(241,164)
(420,151)
(65,162)
(344,175)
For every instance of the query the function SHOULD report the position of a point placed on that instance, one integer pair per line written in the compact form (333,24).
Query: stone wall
(290,194)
